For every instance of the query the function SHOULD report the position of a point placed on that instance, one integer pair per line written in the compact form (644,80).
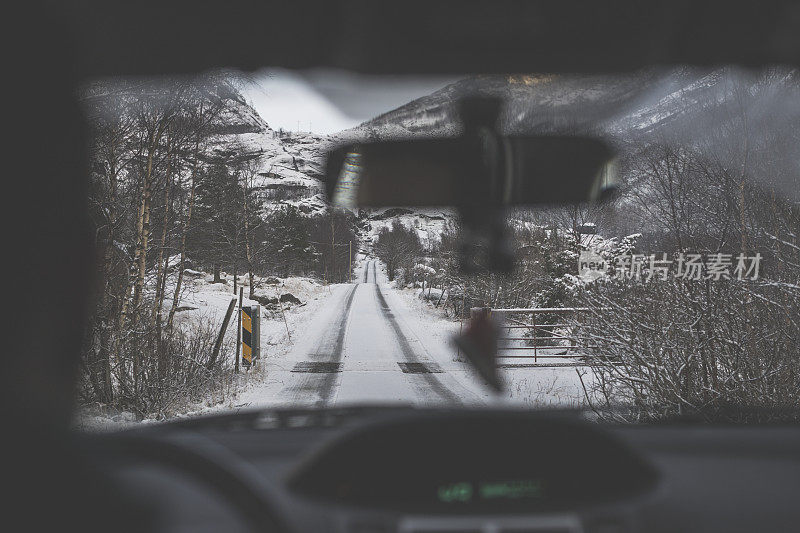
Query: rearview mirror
(470,171)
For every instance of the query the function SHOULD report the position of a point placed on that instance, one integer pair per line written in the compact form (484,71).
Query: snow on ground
(368,330)
(554,386)
(536,387)
(278,336)
(357,331)
(205,303)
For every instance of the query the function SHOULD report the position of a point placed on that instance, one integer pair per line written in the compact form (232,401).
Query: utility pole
(350,264)
(239,330)
(333,250)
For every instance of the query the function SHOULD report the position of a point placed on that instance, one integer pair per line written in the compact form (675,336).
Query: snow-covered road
(364,343)
(363,346)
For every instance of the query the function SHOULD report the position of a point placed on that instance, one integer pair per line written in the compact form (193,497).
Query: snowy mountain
(290,165)
(683,104)
(620,108)
(614,105)
(534,103)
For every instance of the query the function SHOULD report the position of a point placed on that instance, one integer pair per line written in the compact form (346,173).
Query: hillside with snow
(624,109)
(290,165)
(616,106)
(630,111)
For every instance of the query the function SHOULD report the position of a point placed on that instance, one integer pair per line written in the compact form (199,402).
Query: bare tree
(397,246)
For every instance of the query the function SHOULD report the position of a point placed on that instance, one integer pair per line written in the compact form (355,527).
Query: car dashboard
(407,470)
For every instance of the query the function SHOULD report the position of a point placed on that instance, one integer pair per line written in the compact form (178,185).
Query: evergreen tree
(334,237)
(286,248)
(217,235)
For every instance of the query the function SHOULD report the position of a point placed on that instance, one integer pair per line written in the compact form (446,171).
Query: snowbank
(206,303)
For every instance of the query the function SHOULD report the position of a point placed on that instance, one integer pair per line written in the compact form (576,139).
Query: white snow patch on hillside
(429,223)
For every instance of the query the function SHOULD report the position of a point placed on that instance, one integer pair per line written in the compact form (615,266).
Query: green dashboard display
(466,491)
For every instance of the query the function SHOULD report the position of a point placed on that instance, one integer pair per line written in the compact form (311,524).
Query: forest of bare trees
(711,348)
(398,247)
(164,199)
(148,143)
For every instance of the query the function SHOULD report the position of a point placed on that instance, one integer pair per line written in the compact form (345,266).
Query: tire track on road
(408,352)
(324,382)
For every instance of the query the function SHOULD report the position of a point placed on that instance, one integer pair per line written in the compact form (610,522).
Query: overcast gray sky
(329,101)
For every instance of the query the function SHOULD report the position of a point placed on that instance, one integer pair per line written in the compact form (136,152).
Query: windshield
(226,280)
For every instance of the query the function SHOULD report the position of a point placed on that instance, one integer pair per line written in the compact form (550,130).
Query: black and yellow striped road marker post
(247,336)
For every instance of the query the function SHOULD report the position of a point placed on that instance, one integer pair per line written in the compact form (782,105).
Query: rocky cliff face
(289,165)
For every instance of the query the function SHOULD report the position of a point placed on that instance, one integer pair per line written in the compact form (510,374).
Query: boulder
(290,298)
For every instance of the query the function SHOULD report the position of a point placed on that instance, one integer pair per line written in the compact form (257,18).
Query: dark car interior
(368,468)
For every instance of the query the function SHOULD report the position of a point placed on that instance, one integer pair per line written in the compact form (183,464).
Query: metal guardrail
(541,337)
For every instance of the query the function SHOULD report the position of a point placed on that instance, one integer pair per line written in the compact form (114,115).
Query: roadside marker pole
(285,323)
(221,335)
(247,336)
(256,332)
(239,330)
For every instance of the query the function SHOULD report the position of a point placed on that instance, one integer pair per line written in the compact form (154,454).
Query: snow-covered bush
(713,349)
(157,372)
